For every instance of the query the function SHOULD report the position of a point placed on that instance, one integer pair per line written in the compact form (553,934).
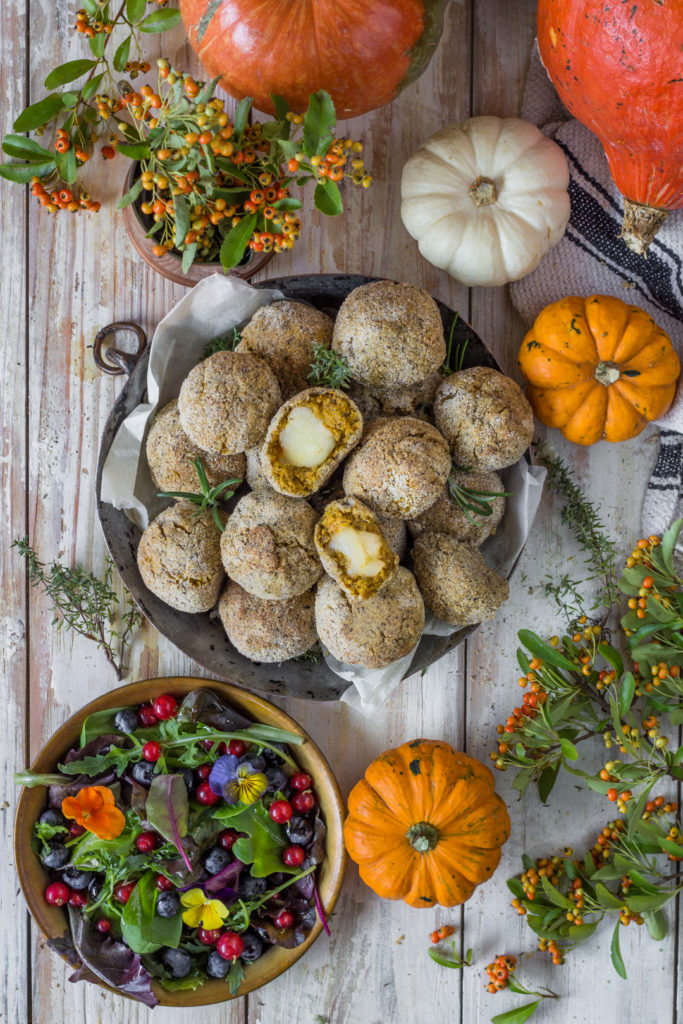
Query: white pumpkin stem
(641,224)
(607,373)
(483,192)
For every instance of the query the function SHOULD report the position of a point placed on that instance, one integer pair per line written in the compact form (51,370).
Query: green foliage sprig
(86,604)
(209,497)
(474,503)
(329,369)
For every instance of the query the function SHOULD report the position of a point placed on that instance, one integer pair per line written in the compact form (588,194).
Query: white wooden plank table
(62,279)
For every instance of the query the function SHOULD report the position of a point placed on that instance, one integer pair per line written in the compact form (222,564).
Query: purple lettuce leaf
(167,811)
(99,745)
(105,959)
(204,706)
(74,784)
(231,873)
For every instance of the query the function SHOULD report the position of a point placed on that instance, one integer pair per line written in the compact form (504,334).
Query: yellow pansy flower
(202,912)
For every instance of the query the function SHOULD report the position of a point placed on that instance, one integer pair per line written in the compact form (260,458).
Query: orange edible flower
(93,807)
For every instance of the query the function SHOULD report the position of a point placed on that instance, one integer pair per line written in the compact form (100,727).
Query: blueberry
(56,857)
(77,879)
(187,775)
(95,887)
(216,859)
(253,947)
(307,918)
(300,831)
(257,762)
(53,816)
(216,965)
(177,962)
(168,904)
(271,757)
(143,772)
(277,780)
(250,887)
(126,720)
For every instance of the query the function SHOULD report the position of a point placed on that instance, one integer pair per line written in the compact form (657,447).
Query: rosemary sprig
(315,656)
(455,357)
(209,496)
(329,369)
(474,502)
(84,603)
(223,343)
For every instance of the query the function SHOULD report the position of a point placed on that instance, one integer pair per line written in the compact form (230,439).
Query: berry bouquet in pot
(183,841)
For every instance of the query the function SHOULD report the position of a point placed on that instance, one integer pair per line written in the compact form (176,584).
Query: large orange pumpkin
(618,67)
(598,369)
(363,52)
(425,824)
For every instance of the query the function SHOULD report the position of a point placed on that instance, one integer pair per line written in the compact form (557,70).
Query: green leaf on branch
(189,254)
(135,151)
(546,781)
(160,21)
(627,690)
(91,87)
(21,174)
(68,72)
(568,749)
(617,960)
(327,198)
(97,44)
(656,924)
(235,242)
(544,651)
(668,545)
(319,120)
(39,113)
(516,1016)
(241,114)
(66,165)
(131,195)
(135,10)
(122,54)
(25,149)
(182,219)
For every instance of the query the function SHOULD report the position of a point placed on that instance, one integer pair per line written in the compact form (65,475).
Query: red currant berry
(237,747)
(284,919)
(208,937)
(146,842)
(206,795)
(75,829)
(57,894)
(294,856)
(146,716)
(203,771)
(103,925)
(122,892)
(163,884)
(301,780)
(206,744)
(151,751)
(230,945)
(280,811)
(77,899)
(303,802)
(228,838)
(222,749)
(165,706)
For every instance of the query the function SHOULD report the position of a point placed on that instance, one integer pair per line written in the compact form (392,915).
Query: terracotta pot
(53,921)
(170,265)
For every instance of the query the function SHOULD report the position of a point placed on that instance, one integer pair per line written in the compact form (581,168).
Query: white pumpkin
(486,199)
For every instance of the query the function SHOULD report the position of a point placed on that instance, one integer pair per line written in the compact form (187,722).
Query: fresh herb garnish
(474,502)
(329,369)
(209,496)
(315,656)
(86,604)
(223,343)
(455,357)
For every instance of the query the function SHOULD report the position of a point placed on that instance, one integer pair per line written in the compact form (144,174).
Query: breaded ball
(283,334)
(170,455)
(375,632)
(395,534)
(411,400)
(485,417)
(268,631)
(455,581)
(179,558)
(307,438)
(254,470)
(227,401)
(353,549)
(400,467)
(447,516)
(267,546)
(390,334)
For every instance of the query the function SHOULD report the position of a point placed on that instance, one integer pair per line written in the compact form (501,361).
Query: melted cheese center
(304,439)
(360,550)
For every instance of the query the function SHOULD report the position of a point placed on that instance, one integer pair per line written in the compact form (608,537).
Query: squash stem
(422,836)
(607,373)
(641,224)
(483,192)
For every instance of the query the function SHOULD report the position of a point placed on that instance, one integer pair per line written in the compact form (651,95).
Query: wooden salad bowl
(53,921)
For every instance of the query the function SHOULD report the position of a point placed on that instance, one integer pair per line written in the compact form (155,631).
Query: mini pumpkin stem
(607,373)
(483,192)
(641,224)
(422,836)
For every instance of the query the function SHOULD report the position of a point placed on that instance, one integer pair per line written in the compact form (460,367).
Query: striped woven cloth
(592,259)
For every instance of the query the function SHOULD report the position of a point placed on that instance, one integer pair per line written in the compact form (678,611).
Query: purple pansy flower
(235,782)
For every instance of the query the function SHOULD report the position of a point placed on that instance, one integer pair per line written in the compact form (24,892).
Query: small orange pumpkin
(425,824)
(598,368)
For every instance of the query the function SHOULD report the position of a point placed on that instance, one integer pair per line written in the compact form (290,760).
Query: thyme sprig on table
(209,497)
(329,369)
(85,603)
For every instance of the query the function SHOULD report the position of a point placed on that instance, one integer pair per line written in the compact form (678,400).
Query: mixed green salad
(183,841)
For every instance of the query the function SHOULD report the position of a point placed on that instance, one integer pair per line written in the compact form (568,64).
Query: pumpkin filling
(353,549)
(311,435)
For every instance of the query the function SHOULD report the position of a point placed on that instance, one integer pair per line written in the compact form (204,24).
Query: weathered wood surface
(65,277)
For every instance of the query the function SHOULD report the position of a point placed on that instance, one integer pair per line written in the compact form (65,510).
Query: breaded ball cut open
(307,439)
(353,549)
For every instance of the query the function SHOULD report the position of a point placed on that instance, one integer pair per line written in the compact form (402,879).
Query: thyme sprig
(474,502)
(85,603)
(209,497)
(223,343)
(329,369)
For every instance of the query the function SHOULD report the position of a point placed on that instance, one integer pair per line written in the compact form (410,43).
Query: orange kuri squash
(598,368)
(425,824)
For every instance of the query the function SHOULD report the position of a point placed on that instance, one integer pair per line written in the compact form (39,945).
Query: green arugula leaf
(116,758)
(264,843)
